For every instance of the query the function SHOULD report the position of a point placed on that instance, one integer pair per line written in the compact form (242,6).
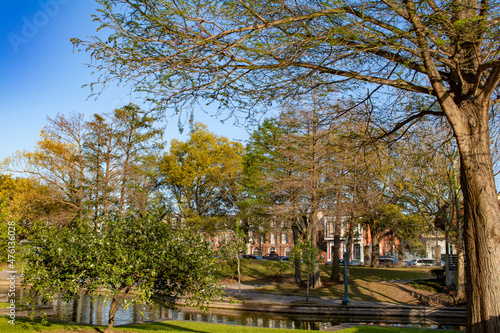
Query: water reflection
(89,309)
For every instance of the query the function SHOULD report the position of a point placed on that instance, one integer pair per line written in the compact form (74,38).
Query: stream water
(94,310)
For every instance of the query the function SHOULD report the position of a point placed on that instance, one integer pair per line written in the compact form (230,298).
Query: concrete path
(251,299)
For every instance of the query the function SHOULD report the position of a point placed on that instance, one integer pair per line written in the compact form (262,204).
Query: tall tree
(292,166)
(202,175)
(58,160)
(138,145)
(97,166)
(255,51)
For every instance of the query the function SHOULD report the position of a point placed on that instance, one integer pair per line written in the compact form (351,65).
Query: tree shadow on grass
(24,324)
(159,326)
(356,291)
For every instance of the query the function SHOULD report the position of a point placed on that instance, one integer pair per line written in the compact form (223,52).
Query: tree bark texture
(336,256)
(481,226)
(375,250)
(115,304)
(296,263)
(315,277)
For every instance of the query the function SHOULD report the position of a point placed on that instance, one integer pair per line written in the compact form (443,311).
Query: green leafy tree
(388,220)
(288,164)
(306,252)
(23,202)
(131,254)
(202,176)
(246,52)
(233,248)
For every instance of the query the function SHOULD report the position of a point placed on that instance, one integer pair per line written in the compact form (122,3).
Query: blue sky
(41,74)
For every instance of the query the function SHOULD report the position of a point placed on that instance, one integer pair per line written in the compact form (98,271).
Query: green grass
(363,280)
(25,325)
(369,274)
(434,285)
(258,272)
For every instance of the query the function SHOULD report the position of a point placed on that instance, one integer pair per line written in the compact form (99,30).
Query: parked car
(387,261)
(251,256)
(271,256)
(425,262)
(385,257)
(341,263)
(285,259)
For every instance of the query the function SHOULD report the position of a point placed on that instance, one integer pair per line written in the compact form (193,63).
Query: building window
(271,250)
(288,252)
(284,238)
(256,251)
(331,227)
(357,251)
(272,238)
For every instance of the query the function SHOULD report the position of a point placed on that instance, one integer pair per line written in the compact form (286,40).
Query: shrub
(439,273)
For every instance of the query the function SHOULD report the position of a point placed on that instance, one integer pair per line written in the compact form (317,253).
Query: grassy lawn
(365,283)
(262,272)
(25,325)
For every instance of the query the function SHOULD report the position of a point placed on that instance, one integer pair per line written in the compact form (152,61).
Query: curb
(354,310)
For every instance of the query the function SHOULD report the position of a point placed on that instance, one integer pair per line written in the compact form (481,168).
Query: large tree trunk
(315,276)
(482,239)
(366,255)
(375,250)
(481,215)
(336,256)
(297,277)
(335,276)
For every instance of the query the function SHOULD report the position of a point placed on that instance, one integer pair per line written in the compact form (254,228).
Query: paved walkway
(251,299)
(250,294)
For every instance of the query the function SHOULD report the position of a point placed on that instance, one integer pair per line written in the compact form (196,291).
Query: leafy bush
(439,273)
(434,285)
(120,255)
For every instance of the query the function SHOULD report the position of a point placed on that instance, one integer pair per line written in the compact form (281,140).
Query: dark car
(271,256)
(251,256)
(387,261)
(341,263)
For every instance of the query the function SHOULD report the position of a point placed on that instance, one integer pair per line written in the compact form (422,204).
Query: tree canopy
(95,166)
(138,254)
(202,175)
(249,53)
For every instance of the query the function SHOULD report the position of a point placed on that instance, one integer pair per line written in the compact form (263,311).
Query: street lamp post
(345,300)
